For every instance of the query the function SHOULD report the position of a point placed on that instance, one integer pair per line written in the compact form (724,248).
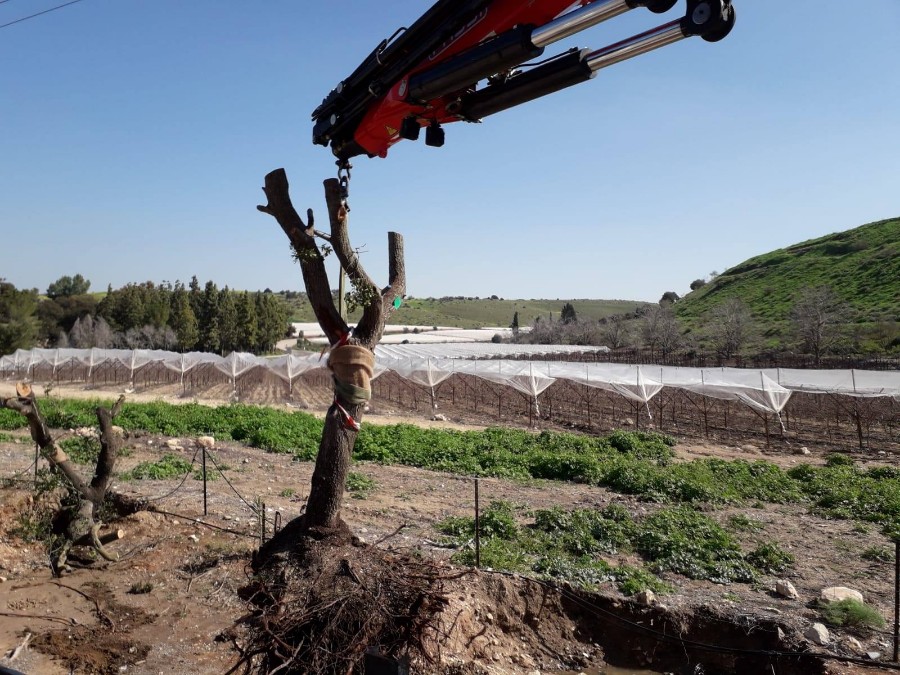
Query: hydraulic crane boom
(464,60)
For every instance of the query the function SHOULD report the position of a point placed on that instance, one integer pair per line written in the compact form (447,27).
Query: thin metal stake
(896,600)
(204,481)
(37,456)
(477,529)
(262,523)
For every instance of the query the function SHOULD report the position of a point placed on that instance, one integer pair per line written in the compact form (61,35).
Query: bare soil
(167,605)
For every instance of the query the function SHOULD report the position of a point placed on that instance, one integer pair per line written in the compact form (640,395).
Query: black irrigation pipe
(200,522)
(249,505)
(702,646)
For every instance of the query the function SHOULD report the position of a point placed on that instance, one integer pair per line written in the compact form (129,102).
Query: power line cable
(46,11)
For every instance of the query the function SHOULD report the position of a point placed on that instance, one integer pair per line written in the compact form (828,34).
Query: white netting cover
(766,390)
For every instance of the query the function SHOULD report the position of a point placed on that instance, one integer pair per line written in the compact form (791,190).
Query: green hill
(861,266)
(480,312)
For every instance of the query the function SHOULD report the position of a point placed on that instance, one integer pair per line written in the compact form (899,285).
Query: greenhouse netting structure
(523,368)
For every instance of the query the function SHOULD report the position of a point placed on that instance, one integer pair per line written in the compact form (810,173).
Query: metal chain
(344,167)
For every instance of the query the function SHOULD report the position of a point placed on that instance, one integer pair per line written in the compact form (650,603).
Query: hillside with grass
(861,266)
(480,312)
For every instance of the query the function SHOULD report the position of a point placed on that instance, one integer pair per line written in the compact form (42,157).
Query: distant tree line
(819,324)
(142,316)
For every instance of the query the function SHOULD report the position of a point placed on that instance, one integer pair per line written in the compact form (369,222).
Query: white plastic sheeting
(863,383)
(765,390)
(472,350)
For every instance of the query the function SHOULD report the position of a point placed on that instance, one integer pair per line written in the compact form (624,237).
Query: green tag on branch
(397,302)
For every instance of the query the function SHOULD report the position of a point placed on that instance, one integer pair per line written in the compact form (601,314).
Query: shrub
(770,558)
(837,459)
(851,613)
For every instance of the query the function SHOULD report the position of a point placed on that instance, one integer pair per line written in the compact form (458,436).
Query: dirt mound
(104,648)
(325,603)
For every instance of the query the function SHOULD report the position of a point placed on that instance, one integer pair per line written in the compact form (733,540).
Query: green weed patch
(170,466)
(81,450)
(567,545)
(634,463)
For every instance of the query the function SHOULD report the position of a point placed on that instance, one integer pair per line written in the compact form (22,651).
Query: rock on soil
(838,593)
(817,633)
(786,589)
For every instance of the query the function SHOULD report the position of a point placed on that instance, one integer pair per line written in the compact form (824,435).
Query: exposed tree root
(320,607)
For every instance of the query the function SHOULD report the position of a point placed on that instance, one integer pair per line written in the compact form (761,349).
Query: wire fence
(258,508)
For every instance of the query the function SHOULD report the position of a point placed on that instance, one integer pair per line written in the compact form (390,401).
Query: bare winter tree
(818,318)
(731,327)
(660,329)
(615,331)
(352,357)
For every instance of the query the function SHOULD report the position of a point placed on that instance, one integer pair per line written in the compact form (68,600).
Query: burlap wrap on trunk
(353,368)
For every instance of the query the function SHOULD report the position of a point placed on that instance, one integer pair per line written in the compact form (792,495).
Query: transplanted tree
(514,326)
(352,356)
(568,315)
(299,608)
(819,317)
(731,327)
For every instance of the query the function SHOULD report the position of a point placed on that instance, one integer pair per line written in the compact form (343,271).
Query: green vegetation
(8,438)
(144,315)
(861,266)
(140,587)
(359,484)
(565,545)
(851,613)
(287,492)
(879,554)
(170,466)
(478,312)
(81,450)
(770,558)
(633,463)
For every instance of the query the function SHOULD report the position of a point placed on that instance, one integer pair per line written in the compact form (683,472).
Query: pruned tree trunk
(352,355)
(77,524)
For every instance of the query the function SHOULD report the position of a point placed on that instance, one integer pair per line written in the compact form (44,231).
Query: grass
(480,312)
(860,265)
(879,554)
(852,614)
(140,587)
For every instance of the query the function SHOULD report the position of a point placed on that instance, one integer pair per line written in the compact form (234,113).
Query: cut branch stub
(312,264)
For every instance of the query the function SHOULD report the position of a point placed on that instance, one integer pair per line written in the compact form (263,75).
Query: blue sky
(135,136)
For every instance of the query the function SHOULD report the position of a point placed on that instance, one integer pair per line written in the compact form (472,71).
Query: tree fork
(81,527)
(323,507)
